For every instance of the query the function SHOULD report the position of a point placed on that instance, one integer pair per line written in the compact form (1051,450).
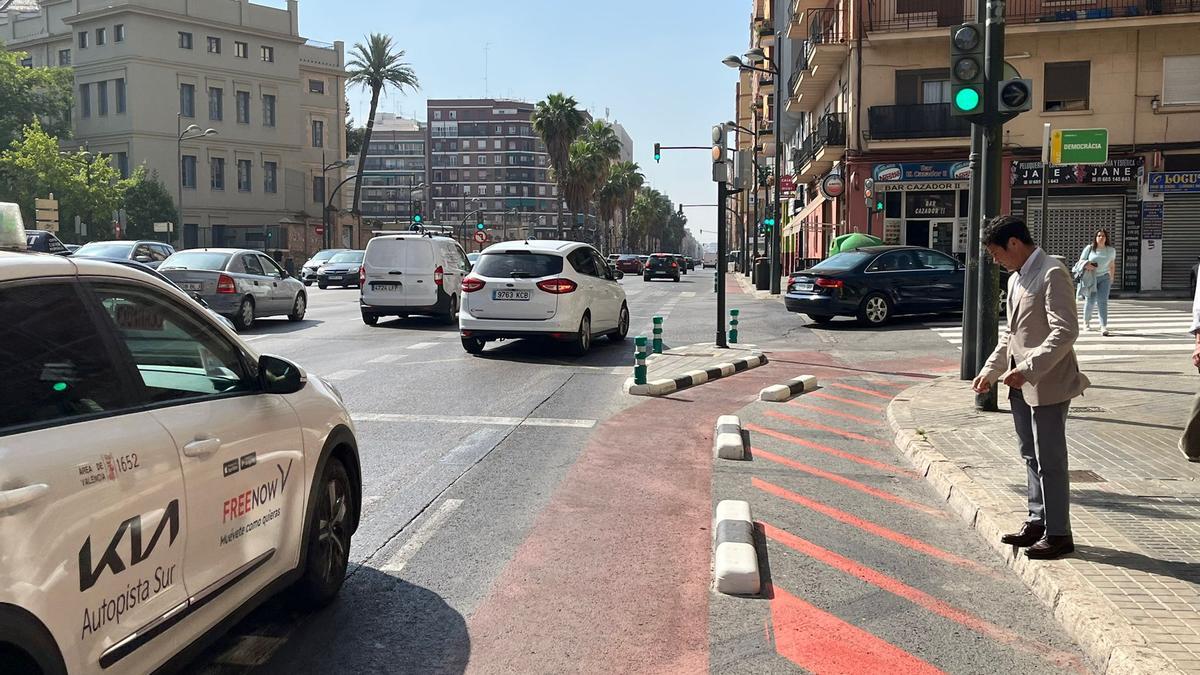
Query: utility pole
(993,171)
(721,177)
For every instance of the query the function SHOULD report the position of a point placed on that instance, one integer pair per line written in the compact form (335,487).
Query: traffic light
(1014,96)
(966,70)
(657,152)
(417,218)
(479,223)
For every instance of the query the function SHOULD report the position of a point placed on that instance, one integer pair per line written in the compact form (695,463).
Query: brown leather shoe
(1051,547)
(1028,536)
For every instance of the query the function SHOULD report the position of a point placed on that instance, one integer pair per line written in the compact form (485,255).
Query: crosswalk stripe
(422,345)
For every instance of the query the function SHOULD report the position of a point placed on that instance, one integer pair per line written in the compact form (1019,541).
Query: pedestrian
(1189,442)
(1097,262)
(1035,357)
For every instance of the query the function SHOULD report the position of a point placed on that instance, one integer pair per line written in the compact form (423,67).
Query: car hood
(340,267)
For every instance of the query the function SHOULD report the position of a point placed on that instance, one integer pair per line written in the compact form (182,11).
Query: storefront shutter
(1074,221)
(1181,239)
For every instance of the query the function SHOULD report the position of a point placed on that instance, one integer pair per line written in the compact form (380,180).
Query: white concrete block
(732,509)
(775,392)
(735,569)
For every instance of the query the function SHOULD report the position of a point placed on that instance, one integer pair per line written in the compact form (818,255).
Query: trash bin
(762,273)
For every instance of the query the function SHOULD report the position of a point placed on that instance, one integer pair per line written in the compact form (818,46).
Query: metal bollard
(733,326)
(658,326)
(639,355)
(716,284)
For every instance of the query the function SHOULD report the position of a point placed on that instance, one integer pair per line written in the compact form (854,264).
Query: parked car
(340,270)
(141,267)
(661,265)
(629,264)
(683,267)
(150,253)
(241,284)
(73,247)
(560,290)
(411,273)
(42,241)
(308,271)
(186,477)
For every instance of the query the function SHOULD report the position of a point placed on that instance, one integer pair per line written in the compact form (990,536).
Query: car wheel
(370,319)
(876,309)
(583,341)
(645,277)
(622,325)
(473,345)
(307,283)
(322,285)
(676,279)
(245,315)
(451,316)
(820,318)
(328,537)
(298,308)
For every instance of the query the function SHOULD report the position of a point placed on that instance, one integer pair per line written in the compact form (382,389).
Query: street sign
(787,183)
(320,230)
(832,186)
(46,214)
(164,227)
(480,236)
(1079,146)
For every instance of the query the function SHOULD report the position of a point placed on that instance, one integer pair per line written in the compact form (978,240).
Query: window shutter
(1181,80)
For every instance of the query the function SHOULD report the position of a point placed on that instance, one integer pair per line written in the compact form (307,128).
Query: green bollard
(658,327)
(733,326)
(639,355)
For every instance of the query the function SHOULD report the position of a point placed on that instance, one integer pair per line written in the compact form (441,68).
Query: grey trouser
(1042,438)
(1191,433)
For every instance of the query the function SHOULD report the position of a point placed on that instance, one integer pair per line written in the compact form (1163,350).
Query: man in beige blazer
(1035,357)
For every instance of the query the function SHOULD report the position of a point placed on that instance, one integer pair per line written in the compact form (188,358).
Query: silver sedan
(241,284)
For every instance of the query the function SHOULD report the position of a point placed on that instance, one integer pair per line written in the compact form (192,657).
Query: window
(216,167)
(188,168)
(251,264)
(482,174)
(83,39)
(316,86)
(270,267)
(214,45)
(466,160)
(102,98)
(216,96)
(187,100)
(318,189)
(437,114)
(119,89)
(936,261)
(481,159)
(497,160)
(270,169)
(895,262)
(120,162)
(241,50)
(55,371)
(481,144)
(185,40)
(243,107)
(268,110)
(1067,86)
(119,32)
(64,57)
(581,259)
(318,134)
(1181,80)
(85,100)
(243,170)
(935,91)
(453,114)
(267,54)
(497,189)
(101,36)
(512,131)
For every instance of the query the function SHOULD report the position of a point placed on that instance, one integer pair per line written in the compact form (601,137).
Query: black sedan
(875,283)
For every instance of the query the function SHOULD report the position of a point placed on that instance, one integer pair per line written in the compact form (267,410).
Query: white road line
(687,294)
(342,375)
(396,563)
(465,419)
(387,358)
(423,345)
(368,501)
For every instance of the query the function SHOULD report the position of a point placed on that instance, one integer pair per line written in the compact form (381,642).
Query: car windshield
(105,249)
(520,264)
(629,257)
(843,261)
(196,260)
(322,256)
(347,257)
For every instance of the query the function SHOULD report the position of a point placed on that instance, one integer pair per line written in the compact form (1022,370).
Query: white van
(411,273)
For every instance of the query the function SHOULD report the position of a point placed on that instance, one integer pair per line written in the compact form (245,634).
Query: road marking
(423,345)
(800,421)
(492,421)
(342,375)
(475,447)
(396,563)
(829,451)
(387,358)
(861,390)
(835,413)
(687,294)
(847,401)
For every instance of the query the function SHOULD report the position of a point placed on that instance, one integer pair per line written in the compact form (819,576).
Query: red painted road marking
(847,401)
(918,597)
(835,413)
(829,451)
(852,484)
(823,644)
(821,427)
(861,390)
(895,385)
(870,527)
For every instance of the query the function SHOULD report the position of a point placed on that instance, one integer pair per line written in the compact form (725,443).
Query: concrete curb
(1106,637)
(693,378)
(793,387)
(735,561)
(727,438)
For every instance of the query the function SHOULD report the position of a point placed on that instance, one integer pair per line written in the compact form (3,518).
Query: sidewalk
(1130,595)
(748,287)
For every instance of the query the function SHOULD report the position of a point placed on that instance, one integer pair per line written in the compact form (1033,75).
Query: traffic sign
(787,183)
(319,230)
(164,227)
(480,236)
(1079,146)
(46,214)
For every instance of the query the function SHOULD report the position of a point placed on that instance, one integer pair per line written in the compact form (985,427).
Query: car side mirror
(279,376)
(285,274)
(142,258)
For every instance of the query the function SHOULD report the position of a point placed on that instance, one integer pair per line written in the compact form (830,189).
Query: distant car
(683,267)
(629,264)
(710,259)
(73,247)
(560,290)
(241,284)
(149,253)
(45,242)
(411,273)
(141,267)
(473,258)
(661,265)
(691,262)
(340,270)
(308,272)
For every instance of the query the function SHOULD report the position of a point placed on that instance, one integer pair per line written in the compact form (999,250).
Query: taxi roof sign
(12,228)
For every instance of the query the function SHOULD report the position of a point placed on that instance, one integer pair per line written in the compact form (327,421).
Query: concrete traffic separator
(735,560)
(727,438)
(793,387)
(692,378)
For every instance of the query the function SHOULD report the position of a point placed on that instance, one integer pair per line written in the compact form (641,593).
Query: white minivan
(411,273)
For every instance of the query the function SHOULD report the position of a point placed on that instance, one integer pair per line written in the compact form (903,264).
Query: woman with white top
(1099,258)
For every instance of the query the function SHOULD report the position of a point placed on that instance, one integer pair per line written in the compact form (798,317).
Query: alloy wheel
(332,529)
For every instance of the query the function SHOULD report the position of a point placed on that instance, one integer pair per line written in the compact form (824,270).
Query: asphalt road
(522,514)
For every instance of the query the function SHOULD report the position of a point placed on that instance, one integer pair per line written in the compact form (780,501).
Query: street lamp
(326,238)
(329,205)
(190,133)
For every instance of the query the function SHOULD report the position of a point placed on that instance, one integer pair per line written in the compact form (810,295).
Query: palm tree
(608,200)
(376,66)
(586,169)
(558,121)
(629,179)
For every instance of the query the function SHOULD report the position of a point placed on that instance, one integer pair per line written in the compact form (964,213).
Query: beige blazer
(1043,324)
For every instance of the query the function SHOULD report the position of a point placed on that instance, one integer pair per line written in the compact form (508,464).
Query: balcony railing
(831,130)
(902,15)
(921,120)
(798,66)
(824,27)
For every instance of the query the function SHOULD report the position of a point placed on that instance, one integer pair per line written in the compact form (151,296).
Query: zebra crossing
(1134,328)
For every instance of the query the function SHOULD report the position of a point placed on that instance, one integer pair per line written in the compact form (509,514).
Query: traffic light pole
(722,253)
(975,253)
(993,173)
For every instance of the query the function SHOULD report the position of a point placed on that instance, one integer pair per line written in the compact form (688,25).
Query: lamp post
(190,133)
(326,238)
(329,206)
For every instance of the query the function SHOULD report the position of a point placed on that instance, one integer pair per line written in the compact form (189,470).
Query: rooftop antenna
(486,47)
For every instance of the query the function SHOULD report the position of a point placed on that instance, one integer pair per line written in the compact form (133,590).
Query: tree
(376,66)
(147,201)
(608,201)
(558,121)
(27,94)
(586,170)
(628,180)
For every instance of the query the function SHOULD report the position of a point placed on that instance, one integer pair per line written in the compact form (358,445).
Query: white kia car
(561,290)
(158,478)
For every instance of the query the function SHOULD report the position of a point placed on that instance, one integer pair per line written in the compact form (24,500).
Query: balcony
(821,149)
(798,25)
(819,61)
(922,120)
(898,16)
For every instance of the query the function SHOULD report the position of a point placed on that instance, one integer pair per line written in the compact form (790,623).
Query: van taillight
(225,284)
(437,275)
(362,275)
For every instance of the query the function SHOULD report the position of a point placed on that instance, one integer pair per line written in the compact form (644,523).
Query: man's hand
(1196,354)
(1014,378)
(982,385)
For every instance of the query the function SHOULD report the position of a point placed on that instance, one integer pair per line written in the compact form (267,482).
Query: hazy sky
(655,65)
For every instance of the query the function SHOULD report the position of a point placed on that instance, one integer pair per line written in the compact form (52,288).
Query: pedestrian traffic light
(966,70)
(657,152)
(1014,96)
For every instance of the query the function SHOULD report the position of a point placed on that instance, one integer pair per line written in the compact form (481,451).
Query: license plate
(333,277)
(191,286)
(804,287)
(510,295)
(385,286)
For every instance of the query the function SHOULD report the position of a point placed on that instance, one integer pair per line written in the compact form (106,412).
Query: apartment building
(395,174)
(146,70)
(867,91)
(626,140)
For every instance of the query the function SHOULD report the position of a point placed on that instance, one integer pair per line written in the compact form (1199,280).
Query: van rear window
(518,264)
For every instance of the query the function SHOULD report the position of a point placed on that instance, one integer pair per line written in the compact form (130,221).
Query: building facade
(146,70)
(395,174)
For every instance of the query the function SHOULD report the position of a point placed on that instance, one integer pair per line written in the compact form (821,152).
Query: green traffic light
(60,386)
(417,218)
(967,99)
(479,226)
